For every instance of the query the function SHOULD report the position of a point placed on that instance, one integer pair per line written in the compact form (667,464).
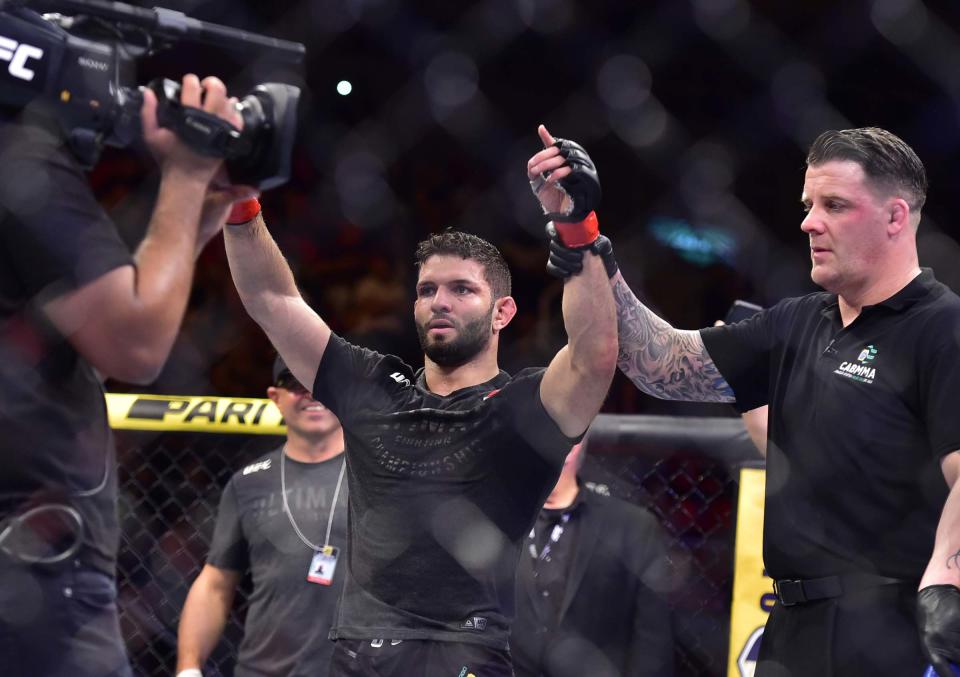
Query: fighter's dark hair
(885,158)
(456,243)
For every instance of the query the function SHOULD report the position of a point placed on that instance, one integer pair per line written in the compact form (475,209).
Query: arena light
(700,245)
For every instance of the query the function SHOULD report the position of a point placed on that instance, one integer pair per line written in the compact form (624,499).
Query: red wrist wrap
(579,234)
(243,212)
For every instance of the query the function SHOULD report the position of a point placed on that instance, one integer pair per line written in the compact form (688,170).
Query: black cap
(280,371)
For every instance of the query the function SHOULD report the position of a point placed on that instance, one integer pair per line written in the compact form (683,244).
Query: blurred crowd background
(420,115)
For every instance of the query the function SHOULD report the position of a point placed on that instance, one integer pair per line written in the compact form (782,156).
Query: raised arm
(672,364)
(204,616)
(576,382)
(579,376)
(268,291)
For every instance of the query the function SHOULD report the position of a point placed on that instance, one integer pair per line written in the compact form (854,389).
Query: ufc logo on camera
(17,54)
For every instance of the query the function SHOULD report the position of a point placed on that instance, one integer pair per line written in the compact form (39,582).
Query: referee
(863,380)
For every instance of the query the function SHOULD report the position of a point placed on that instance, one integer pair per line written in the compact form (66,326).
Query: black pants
(420,658)
(868,633)
(59,622)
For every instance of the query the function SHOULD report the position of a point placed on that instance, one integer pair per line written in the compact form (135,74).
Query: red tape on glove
(579,234)
(243,212)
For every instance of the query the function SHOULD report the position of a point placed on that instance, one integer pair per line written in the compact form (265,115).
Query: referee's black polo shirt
(859,420)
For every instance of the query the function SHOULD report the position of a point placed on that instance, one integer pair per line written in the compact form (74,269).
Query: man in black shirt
(283,517)
(76,307)
(863,383)
(448,464)
(590,587)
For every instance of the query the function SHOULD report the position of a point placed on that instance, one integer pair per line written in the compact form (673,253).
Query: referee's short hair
(885,158)
(456,243)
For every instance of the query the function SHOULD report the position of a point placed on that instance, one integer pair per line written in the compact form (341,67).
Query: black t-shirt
(56,443)
(289,617)
(859,420)
(443,491)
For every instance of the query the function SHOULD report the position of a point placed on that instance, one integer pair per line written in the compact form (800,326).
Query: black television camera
(79,69)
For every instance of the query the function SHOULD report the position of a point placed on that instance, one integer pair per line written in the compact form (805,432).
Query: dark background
(697,113)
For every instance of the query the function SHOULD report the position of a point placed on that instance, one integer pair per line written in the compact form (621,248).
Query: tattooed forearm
(668,363)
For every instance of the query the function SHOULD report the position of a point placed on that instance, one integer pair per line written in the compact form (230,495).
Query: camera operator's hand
(209,95)
(124,321)
(176,157)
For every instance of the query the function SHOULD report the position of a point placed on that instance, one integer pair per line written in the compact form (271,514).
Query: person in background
(76,307)
(283,518)
(590,587)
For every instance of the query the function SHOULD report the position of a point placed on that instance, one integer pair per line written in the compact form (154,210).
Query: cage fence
(683,470)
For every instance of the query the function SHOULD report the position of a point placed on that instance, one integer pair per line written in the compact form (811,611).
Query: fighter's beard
(472,339)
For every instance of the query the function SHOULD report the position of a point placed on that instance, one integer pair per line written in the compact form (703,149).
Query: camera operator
(76,307)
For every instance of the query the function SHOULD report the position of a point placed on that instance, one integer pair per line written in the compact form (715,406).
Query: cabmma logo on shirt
(860,369)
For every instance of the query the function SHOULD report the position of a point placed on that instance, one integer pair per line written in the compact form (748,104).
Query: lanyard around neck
(286,506)
(555,535)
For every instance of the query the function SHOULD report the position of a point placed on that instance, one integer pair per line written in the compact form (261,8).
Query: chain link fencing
(681,469)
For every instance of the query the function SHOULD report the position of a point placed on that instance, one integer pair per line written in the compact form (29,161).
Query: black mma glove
(572,233)
(564,262)
(582,185)
(938,618)
(578,227)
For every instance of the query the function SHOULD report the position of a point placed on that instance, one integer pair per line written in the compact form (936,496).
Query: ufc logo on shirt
(17,54)
(400,378)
